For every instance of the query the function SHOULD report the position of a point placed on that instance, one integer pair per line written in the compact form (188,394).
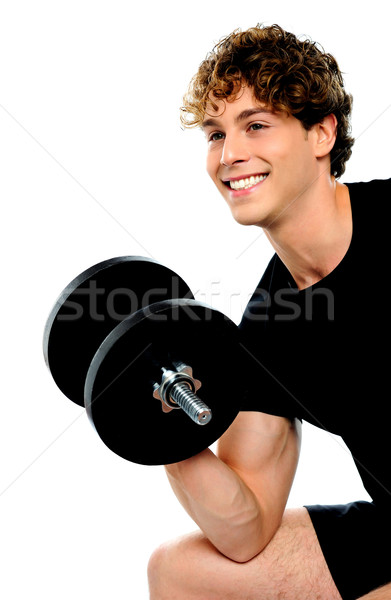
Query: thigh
(354,539)
(291,567)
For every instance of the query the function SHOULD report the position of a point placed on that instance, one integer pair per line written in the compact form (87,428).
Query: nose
(234,150)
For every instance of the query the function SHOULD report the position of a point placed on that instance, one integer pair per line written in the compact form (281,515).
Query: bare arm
(382,593)
(238,497)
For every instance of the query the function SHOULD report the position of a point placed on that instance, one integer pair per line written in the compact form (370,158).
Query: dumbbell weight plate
(119,383)
(92,305)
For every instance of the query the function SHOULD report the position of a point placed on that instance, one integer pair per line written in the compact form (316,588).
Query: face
(260,160)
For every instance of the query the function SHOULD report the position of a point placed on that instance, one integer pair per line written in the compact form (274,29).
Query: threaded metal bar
(197,410)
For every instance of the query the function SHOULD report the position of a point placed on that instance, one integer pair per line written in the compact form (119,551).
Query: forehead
(238,106)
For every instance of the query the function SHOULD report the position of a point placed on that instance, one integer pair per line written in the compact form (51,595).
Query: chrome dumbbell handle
(195,408)
(177,390)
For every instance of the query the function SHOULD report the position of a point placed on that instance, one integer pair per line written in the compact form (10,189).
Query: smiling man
(263,161)
(275,115)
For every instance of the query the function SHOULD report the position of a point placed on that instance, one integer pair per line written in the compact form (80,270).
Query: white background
(94,164)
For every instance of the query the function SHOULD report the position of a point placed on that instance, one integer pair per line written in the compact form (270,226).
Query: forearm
(221,504)
(382,593)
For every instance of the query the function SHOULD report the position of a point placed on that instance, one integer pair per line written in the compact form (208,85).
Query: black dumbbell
(127,340)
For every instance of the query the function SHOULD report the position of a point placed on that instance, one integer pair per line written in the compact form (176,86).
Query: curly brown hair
(284,72)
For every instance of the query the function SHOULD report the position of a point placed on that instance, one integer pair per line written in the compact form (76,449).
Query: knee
(171,569)
(163,584)
(156,573)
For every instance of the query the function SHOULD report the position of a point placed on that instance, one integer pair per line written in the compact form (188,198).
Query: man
(276,118)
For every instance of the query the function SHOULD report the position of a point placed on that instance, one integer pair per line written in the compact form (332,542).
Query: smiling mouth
(246,182)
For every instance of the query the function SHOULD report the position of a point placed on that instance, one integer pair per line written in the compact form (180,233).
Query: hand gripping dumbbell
(127,340)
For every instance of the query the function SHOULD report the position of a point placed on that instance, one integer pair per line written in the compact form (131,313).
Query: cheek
(292,157)
(212,165)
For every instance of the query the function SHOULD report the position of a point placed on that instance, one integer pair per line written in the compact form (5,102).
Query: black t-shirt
(322,354)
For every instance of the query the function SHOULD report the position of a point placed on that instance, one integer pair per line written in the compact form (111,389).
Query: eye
(256,126)
(216,136)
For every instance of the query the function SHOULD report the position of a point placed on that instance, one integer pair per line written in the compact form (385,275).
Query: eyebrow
(245,114)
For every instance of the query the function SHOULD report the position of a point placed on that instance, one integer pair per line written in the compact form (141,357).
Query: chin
(247,217)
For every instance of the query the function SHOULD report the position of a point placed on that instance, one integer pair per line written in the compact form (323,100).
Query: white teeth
(244,184)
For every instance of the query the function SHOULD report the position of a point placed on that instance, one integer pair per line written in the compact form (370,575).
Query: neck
(314,234)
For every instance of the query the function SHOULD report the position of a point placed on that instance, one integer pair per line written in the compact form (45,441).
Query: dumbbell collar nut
(183,374)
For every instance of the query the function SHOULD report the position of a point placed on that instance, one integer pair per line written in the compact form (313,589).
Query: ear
(325,134)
